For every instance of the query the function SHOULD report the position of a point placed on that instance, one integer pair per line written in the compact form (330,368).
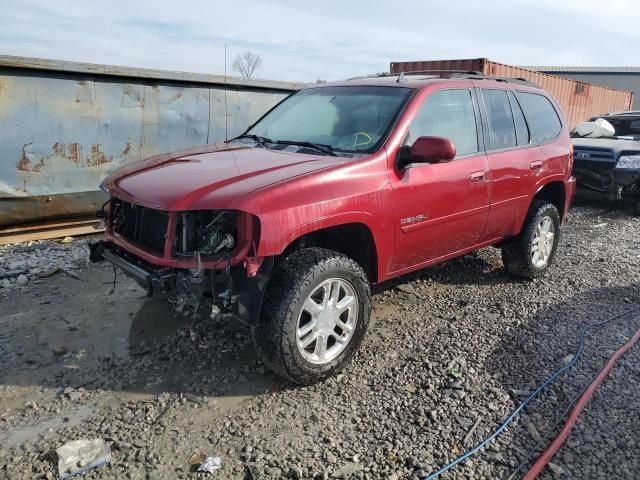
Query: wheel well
(354,240)
(553,193)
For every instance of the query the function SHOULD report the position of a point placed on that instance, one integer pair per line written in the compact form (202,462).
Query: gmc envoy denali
(338,187)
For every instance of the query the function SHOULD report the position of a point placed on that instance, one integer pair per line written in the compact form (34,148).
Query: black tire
(292,281)
(516,253)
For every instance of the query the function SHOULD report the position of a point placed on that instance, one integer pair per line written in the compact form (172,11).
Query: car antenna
(226,136)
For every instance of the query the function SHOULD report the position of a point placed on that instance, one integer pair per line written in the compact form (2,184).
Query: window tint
(502,133)
(541,116)
(522,131)
(448,114)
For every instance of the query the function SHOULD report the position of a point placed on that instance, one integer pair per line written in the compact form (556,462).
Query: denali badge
(583,155)
(417,218)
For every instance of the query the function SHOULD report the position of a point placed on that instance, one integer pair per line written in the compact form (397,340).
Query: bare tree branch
(246,64)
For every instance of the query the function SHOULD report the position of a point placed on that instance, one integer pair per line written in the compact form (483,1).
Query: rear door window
(449,114)
(502,132)
(541,116)
(522,131)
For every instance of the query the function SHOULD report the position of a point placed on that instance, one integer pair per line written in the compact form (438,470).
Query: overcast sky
(306,41)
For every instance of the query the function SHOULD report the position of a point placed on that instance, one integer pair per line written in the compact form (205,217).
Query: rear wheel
(530,254)
(314,315)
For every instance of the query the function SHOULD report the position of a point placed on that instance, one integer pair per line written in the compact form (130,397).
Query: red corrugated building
(578,100)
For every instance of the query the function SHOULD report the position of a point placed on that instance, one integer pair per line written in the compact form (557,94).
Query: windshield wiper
(262,141)
(326,149)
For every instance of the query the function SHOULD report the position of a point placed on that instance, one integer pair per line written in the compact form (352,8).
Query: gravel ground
(451,348)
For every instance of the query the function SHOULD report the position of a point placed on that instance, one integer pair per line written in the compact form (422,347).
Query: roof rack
(401,76)
(453,74)
(479,76)
(431,74)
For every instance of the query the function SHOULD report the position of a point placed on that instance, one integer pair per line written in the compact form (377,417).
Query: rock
(273,472)
(22,280)
(459,394)
(347,470)
(295,472)
(59,350)
(75,396)
(456,384)
(407,288)
(330,457)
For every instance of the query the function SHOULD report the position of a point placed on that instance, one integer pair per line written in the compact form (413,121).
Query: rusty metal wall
(64,127)
(578,100)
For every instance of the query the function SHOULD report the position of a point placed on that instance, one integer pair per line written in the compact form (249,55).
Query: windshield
(352,119)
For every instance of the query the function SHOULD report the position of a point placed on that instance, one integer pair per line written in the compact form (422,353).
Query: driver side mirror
(428,150)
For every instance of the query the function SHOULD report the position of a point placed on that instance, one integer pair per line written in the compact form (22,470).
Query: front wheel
(314,316)
(530,254)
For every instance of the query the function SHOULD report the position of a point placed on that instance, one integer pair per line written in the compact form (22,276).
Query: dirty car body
(611,165)
(338,187)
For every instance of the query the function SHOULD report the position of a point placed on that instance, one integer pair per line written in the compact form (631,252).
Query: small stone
(347,470)
(273,472)
(459,394)
(295,472)
(456,384)
(22,280)
(75,396)
(557,469)
(59,350)
(407,288)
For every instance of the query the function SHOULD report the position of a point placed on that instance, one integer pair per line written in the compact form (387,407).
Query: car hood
(212,176)
(611,145)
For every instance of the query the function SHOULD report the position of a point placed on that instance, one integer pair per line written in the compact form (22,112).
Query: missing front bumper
(231,289)
(157,284)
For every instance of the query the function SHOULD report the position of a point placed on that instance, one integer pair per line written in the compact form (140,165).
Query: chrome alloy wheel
(542,243)
(327,321)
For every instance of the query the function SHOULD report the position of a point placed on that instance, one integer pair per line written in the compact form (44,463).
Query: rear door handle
(536,165)
(477,177)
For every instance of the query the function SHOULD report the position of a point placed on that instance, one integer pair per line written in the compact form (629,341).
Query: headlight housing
(629,162)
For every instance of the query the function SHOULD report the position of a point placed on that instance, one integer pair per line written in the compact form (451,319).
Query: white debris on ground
(24,263)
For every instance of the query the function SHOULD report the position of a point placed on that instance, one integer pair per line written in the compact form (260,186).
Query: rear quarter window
(541,116)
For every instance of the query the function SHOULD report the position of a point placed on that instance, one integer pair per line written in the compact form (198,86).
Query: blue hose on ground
(542,386)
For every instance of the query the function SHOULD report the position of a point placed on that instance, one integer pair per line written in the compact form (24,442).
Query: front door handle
(477,177)
(536,165)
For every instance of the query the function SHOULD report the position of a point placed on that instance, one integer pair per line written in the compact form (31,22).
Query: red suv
(338,187)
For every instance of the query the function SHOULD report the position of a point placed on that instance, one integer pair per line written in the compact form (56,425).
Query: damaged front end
(194,258)
(618,178)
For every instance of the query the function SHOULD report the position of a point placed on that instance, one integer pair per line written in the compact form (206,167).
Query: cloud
(328,40)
